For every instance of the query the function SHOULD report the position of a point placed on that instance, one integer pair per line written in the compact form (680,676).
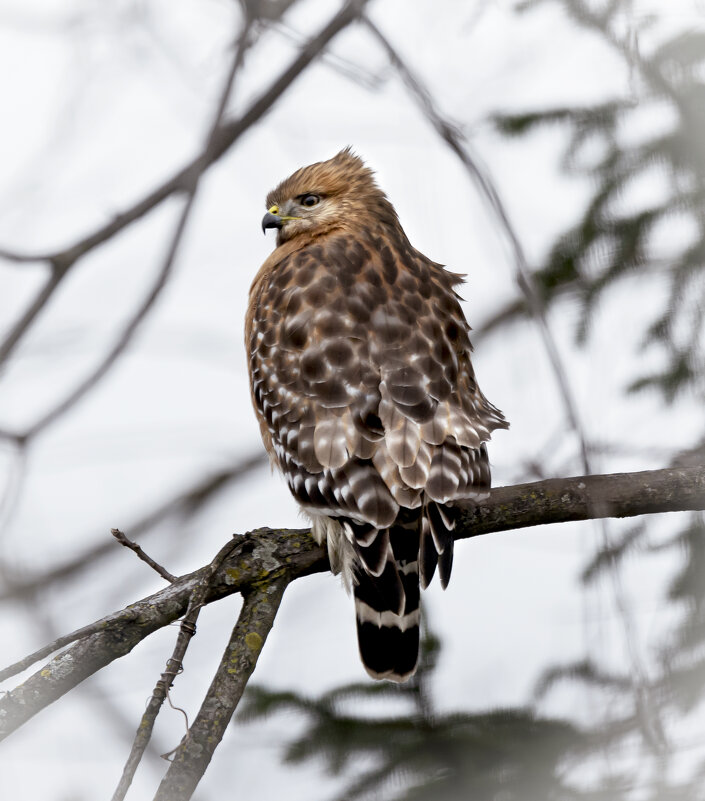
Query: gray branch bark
(239,660)
(293,552)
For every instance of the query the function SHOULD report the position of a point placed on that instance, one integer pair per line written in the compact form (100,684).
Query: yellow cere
(274,210)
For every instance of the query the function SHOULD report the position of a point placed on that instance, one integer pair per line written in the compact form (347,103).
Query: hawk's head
(325,196)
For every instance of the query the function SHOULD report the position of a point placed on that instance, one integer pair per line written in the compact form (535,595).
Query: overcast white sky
(103,101)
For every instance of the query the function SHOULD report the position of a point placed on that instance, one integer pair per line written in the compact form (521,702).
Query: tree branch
(557,500)
(19,329)
(174,665)
(239,660)
(145,557)
(563,500)
(224,137)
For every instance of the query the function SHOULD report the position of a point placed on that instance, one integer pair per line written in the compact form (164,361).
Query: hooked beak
(271,221)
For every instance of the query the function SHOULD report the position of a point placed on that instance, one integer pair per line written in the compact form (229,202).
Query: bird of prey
(359,361)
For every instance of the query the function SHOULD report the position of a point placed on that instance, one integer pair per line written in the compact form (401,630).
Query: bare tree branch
(164,274)
(123,616)
(222,140)
(174,666)
(24,258)
(239,660)
(557,500)
(18,330)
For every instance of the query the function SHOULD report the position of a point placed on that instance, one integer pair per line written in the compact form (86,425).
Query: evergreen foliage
(423,754)
(613,241)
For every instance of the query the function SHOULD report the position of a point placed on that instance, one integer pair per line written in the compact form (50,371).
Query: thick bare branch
(293,551)
(123,616)
(71,667)
(562,500)
(239,660)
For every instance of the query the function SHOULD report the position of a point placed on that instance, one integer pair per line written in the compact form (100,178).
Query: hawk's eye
(309,200)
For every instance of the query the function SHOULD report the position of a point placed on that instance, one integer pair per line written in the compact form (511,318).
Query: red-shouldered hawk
(359,359)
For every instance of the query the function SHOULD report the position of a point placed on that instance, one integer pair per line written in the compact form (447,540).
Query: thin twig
(193,756)
(174,666)
(24,258)
(347,68)
(557,500)
(133,546)
(18,330)
(12,491)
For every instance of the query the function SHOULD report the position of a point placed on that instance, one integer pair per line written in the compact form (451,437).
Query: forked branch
(239,659)
(294,552)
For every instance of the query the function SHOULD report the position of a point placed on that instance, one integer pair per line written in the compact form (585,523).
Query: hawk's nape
(359,360)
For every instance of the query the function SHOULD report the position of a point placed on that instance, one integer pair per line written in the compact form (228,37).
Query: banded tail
(391,567)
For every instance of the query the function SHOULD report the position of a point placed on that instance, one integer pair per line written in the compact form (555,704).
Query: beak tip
(271,221)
